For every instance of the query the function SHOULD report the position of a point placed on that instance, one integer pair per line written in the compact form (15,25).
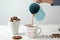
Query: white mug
(33,32)
(14,26)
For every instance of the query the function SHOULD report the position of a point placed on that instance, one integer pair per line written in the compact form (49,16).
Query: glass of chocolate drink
(14,23)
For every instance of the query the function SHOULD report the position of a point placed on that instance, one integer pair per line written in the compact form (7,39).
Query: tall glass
(14,27)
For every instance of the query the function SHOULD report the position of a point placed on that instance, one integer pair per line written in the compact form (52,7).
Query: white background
(19,8)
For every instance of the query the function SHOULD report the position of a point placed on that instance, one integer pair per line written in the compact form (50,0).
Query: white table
(5,34)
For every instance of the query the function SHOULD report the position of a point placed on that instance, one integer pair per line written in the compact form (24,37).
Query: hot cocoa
(14,23)
(29,25)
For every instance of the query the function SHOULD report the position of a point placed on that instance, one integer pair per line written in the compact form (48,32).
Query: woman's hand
(38,1)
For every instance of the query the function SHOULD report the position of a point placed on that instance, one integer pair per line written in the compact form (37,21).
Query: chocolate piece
(18,19)
(14,18)
(55,35)
(17,37)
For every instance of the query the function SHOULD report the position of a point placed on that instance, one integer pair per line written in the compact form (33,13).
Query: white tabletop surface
(5,34)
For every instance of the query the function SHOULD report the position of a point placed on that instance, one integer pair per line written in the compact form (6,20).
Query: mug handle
(38,28)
